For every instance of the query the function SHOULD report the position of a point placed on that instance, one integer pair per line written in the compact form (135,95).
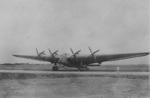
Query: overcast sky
(113,26)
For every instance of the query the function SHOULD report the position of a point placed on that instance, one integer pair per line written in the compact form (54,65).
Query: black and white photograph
(74,49)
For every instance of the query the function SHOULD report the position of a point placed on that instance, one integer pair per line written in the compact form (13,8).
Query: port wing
(113,57)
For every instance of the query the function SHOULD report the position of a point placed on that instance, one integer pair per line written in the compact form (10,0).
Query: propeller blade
(56,52)
(37,51)
(74,54)
(77,52)
(71,51)
(39,54)
(43,52)
(50,51)
(90,50)
(95,51)
(92,53)
(53,53)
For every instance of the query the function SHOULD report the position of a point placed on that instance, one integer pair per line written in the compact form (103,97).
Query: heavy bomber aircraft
(80,62)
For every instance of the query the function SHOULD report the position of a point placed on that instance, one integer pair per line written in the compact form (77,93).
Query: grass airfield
(74,85)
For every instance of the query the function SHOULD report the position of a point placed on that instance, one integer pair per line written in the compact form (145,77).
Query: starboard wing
(39,58)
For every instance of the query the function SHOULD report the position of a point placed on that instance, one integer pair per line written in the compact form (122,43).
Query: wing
(39,58)
(82,59)
(113,57)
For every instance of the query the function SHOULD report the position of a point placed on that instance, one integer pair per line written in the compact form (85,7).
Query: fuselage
(78,61)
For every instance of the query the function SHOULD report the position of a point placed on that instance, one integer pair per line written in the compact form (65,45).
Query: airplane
(81,62)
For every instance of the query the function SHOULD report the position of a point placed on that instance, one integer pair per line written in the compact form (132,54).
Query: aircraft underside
(80,67)
(56,68)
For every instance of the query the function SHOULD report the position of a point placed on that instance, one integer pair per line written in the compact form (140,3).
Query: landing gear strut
(55,68)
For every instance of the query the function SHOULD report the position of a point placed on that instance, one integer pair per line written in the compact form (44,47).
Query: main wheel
(55,68)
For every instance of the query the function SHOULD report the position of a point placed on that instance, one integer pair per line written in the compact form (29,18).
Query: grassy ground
(75,87)
(14,85)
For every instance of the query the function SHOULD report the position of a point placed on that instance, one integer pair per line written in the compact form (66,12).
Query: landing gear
(55,68)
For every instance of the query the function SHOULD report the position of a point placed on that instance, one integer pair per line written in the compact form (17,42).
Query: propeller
(40,53)
(74,53)
(53,53)
(92,53)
